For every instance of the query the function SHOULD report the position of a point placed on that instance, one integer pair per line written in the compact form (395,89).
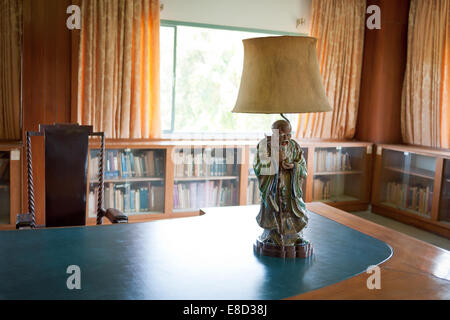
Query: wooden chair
(66,163)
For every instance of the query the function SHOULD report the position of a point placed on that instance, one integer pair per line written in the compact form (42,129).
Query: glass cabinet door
(205,177)
(4,188)
(444,207)
(252,188)
(134,181)
(407,181)
(339,174)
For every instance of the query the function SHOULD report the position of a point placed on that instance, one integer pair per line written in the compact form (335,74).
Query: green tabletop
(206,257)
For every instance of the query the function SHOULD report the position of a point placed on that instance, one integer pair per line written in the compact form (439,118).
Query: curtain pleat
(425,99)
(339,27)
(10,69)
(118,91)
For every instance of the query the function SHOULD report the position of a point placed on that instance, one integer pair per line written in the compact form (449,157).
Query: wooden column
(47,77)
(243,174)
(382,76)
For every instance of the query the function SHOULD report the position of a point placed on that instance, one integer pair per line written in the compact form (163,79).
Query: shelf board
(332,173)
(186,210)
(178,179)
(341,198)
(183,210)
(142,213)
(423,215)
(427,174)
(134,214)
(134,179)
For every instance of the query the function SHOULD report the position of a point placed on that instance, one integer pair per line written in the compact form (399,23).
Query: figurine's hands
(286,165)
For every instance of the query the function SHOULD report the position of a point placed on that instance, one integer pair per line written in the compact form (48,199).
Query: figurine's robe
(294,218)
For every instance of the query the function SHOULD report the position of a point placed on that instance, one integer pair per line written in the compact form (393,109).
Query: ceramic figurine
(281,169)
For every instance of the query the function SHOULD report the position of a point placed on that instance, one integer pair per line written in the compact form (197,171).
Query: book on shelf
(329,161)
(194,195)
(253,192)
(202,164)
(128,199)
(414,197)
(251,160)
(326,188)
(126,164)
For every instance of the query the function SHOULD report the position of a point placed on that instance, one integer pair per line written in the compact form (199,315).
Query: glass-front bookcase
(339,174)
(407,181)
(252,188)
(444,208)
(133,182)
(4,188)
(205,177)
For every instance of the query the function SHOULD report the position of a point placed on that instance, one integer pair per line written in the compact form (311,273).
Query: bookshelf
(134,182)
(198,174)
(205,177)
(339,174)
(4,188)
(411,185)
(252,187)
(10,184)
(444,208)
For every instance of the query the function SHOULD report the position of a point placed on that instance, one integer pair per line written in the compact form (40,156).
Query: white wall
(277,15)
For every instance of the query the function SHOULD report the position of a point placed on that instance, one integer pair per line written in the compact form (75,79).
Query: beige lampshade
(281,75)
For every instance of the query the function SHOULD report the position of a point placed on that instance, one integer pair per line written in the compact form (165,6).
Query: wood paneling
(382,76)
(47,78)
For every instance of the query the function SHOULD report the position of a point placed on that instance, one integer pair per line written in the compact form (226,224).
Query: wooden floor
(417,270)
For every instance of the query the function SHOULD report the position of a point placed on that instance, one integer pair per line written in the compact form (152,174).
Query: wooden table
(211,257)
(416,270)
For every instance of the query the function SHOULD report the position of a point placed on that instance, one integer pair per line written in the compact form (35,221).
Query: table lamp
(281,75)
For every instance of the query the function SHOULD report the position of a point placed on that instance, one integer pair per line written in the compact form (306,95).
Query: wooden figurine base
(272,250)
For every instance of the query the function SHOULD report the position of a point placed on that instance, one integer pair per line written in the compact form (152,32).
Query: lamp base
(303,250)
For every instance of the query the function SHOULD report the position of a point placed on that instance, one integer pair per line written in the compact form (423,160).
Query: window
(201,69)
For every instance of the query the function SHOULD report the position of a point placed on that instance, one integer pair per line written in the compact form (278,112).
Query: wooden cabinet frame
(15,176)
(430,224)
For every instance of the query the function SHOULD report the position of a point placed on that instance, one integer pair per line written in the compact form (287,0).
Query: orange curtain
(10,68)
(118,75)
(425,113)
(339,26)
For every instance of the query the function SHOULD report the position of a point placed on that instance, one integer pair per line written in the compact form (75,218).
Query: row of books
(123,197)
(253,192)
(126,164)
(251,162)
(203,164)
(325,188)
(194,195)
(327,161)
(417,197)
